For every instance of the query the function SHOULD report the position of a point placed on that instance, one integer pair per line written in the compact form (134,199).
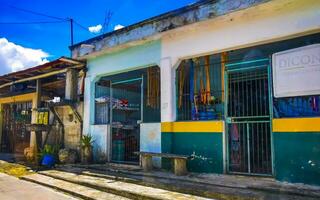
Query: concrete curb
(69,191)
(296,191)
(128,190)
(142,181)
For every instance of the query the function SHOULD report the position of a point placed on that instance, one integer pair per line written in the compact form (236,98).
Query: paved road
(12,188)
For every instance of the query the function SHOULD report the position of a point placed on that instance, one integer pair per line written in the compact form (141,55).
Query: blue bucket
(48,160)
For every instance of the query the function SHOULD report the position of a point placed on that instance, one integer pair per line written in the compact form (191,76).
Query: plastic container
(48,160)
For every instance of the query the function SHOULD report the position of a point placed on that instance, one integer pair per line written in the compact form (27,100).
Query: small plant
(86,141)
(49,150)
(86,146)
(48,155)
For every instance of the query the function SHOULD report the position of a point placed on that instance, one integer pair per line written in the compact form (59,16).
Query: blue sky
(42,42)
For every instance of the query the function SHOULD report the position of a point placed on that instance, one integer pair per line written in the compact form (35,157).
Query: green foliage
(49,150)
(86,141)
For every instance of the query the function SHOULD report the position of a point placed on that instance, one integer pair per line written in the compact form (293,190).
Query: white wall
(272,21)
(150,140)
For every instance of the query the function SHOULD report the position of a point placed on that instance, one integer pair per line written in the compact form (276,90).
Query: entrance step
(121,188)
(80,191)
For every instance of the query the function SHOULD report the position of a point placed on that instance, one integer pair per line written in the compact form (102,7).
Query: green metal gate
(248,117)
(126,116)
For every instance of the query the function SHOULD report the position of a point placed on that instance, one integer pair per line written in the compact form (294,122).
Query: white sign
(296,72)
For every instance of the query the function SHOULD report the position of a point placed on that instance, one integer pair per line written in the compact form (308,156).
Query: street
(12,188)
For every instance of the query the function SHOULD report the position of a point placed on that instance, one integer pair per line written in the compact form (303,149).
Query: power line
(81,26)
(36,13)
(35,22)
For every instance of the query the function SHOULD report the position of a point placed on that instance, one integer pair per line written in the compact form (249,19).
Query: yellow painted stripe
(296,125)
(207,127)
(18,98)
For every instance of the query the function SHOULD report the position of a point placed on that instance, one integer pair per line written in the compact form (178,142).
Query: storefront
(234,90)
(125,101)
(217,99)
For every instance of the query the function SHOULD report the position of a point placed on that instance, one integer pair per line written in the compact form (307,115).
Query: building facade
(41,105)
(204,80)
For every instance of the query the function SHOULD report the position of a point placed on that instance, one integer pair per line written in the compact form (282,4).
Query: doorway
(126,116)
(248,117)
(15,117)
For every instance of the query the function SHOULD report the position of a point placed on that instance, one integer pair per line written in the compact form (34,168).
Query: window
(102,97)
(150,92)
(200,88)
(299,106)
(304,106)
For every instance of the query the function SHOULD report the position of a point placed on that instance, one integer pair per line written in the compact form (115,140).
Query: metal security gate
(248,122)
(15,137)
(126,115)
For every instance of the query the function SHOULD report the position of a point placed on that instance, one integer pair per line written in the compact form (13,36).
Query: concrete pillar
(146,162)
(33,135)
(71,90)
(168,112)
(180,166)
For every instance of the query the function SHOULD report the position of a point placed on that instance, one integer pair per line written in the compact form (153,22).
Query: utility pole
(71,30)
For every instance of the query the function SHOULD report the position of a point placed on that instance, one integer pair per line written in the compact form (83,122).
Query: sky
(28,45)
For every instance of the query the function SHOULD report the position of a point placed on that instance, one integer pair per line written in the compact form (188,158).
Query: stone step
(256,187)
(171,184)
(77,190)
(126,189)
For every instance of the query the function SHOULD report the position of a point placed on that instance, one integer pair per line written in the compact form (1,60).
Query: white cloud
(117,27)
(14,57)
(95,29)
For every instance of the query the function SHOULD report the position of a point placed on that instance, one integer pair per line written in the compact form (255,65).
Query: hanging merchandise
(315,104)
(208,87)
(202,92)
(196,94)
(148,87)
(224,57)
(235,144)
(192,82)
(181,83)
(153,87)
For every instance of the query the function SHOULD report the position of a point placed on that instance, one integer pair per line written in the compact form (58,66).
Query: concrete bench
(179,161)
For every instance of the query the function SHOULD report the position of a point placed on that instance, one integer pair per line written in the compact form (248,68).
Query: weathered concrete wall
(72,126)
(197,12)
(101,135)
(112,63)
(150,140)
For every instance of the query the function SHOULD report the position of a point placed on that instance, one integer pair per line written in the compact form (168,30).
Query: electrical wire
(44,15)
(36,13)
(81,26)
(37,22)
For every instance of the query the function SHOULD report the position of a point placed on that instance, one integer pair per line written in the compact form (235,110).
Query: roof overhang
(47,69)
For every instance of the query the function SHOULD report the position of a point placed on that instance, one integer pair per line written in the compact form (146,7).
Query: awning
(50,68)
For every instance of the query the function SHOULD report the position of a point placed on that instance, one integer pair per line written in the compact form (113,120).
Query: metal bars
(199,89)
(15,137)
(127,109)
(248,119)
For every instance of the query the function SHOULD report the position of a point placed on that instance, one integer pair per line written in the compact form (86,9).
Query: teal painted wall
(127,59)
(297,157)
(207,147)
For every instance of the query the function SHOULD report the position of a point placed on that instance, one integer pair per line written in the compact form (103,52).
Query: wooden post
(180,166)
(146,161)
(33,134)
(71,90)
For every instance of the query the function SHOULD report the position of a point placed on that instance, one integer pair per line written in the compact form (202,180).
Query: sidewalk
(206,185)
(12,188)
